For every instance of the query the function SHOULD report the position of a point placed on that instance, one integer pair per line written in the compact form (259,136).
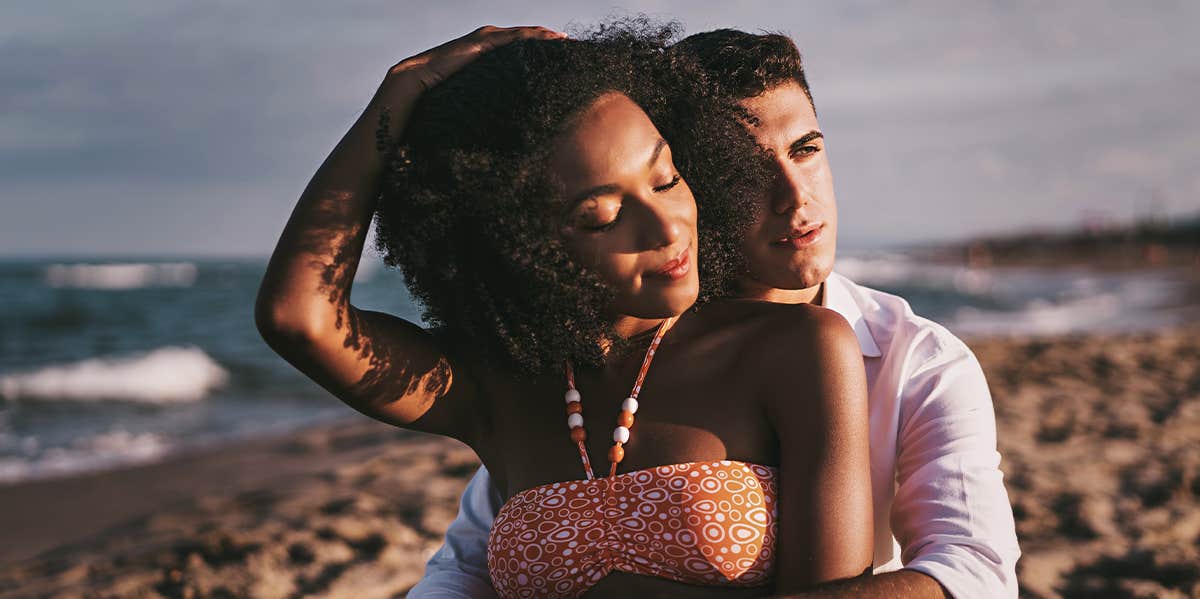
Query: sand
(1100,438)
(1101,444)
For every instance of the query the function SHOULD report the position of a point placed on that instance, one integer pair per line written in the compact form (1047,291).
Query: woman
(537,212)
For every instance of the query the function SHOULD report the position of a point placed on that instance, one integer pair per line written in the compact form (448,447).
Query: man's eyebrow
(807,137)
(600,190)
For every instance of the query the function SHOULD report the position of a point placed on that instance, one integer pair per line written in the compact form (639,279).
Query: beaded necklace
(629,407)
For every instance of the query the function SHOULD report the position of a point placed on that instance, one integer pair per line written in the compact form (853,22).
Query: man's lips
(677,267)
(801,237)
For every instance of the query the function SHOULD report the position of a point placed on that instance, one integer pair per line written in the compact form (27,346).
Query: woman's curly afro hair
(470,217)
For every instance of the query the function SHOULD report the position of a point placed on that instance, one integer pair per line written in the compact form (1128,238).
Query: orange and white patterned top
(704,523)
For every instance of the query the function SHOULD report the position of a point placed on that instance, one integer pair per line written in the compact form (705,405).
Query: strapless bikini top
(704,523)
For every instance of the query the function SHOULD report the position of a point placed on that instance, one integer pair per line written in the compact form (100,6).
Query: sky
(167,128)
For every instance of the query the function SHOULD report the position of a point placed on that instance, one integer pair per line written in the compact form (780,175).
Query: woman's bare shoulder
(793,351)
(763,322)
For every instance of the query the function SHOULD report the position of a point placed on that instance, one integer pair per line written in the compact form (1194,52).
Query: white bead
(629,405)
(621,434)
(574,420)
(572,395)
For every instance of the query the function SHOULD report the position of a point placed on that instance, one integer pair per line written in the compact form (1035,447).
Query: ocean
(115,362)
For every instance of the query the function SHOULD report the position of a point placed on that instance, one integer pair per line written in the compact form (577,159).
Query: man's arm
(458,570)
(951,512)
(901,584)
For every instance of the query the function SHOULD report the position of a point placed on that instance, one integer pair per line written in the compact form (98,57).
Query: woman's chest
(678,419)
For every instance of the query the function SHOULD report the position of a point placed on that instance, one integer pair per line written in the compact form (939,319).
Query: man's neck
(812,295)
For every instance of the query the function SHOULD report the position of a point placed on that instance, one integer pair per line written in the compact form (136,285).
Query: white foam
(1039,317)
(115,447)
(886,270)
(1140,304)
(163,376)
(133,275)
(1031,301)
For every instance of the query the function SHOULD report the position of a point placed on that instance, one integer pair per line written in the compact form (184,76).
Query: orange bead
(616,453)
(574,408)
(625,419)
(578,435)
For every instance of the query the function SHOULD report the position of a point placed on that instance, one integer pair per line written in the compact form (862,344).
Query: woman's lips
(676,268)
(802,237)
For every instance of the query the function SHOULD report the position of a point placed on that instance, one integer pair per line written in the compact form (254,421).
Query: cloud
(146,111)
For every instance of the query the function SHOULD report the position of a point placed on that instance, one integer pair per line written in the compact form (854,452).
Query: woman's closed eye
(604,226)
(598,218)
(669,185)
(598,215)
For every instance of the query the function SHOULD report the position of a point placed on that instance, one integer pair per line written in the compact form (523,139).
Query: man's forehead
(781,114)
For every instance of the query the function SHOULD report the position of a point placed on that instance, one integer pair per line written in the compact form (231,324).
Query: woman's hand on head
(433,66)
(416,74)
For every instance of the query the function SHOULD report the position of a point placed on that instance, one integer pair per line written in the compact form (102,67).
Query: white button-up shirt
(940,503)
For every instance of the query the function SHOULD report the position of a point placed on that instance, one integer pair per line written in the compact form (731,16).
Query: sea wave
(887,270)
(1029,301)
(133,275)
(112,448)
(1086,304)
(166,375)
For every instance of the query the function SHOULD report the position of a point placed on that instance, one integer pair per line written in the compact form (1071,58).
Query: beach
(1099,442)
(1042,205)
(1098,436)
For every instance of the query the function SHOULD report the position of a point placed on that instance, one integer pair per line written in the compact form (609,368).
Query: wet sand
(1100,438)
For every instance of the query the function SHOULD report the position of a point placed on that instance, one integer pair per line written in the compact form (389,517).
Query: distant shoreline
(1140,245)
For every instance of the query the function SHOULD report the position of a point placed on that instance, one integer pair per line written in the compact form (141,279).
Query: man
(943,522)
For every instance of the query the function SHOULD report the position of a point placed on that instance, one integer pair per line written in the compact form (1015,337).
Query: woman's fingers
(435,65)
(493,37)
(486,38)
(410,77)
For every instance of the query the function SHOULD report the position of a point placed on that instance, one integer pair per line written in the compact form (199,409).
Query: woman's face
(629,215)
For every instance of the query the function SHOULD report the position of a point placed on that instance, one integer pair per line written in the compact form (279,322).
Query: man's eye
(803,151)
(674,181)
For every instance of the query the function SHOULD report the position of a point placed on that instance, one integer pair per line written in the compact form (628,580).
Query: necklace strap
(649,357)
(624,420)
(577,432)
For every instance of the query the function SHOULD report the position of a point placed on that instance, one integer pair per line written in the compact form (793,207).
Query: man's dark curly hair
(470,216)
(747,64)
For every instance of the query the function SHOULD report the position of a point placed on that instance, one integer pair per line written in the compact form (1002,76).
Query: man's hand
(901,584)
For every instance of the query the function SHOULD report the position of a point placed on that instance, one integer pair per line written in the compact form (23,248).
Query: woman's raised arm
(380,365)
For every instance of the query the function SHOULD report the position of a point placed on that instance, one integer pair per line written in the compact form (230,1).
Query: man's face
(792,242)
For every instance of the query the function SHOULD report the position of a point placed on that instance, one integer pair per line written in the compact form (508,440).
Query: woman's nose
(662,227)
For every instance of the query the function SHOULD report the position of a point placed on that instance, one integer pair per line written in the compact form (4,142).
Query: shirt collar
(837,297)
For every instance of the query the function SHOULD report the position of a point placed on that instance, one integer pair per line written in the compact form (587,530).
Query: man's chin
(794,280)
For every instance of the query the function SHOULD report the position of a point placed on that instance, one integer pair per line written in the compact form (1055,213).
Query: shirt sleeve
(458,570)
(951,513)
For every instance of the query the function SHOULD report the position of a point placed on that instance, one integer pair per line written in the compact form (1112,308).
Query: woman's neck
(628,327)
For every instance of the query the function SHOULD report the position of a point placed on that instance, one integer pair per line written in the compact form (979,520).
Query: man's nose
(790,191)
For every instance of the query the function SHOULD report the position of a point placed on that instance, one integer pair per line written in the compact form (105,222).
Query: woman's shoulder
(763,321)
(784,343)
